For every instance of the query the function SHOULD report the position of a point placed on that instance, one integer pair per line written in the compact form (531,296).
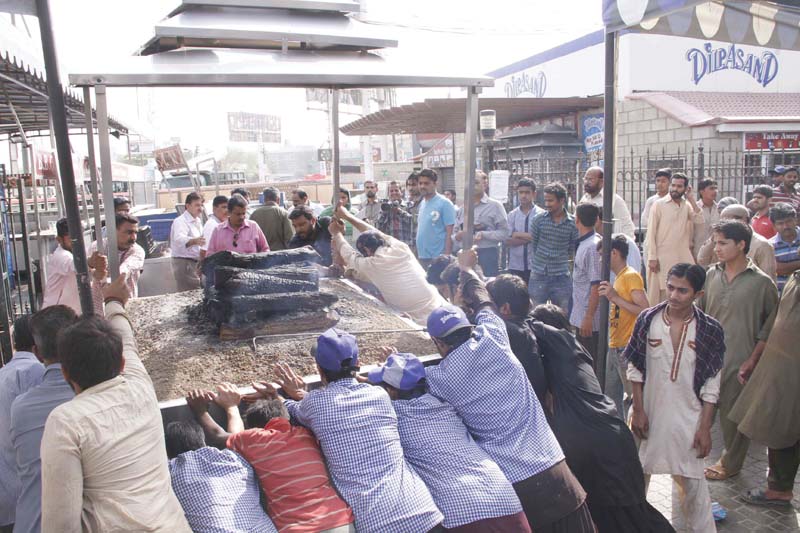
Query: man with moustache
(669,235)
(593,194)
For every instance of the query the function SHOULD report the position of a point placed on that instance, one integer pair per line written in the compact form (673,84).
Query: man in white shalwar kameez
(677,350)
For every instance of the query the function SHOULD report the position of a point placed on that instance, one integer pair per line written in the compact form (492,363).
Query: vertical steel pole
(608,196)
(28,152)
(59,194)
(25,250)
(470,144)
(60,129)
(108,186)
(98,220)
(335,143)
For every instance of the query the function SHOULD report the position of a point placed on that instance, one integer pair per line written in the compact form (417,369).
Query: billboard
(254,128)
(169,158)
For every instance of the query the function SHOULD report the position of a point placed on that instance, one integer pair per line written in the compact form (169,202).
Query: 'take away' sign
(708,60)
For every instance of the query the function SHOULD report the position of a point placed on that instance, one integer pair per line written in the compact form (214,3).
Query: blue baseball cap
(334,347)
(445,320)
(402,371)
(779,170)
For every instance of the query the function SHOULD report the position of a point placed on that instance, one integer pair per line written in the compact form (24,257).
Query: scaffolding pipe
(470,145)
(335,145)
(98,221)
(107,179)
(61,131)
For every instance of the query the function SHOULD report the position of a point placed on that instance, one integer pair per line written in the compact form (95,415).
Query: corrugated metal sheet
(447,115)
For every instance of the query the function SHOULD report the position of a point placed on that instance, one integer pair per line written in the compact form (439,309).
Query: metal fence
(736,172)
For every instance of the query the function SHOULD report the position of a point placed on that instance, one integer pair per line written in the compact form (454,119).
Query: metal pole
(470,144)
(58,113)
(98,221)
(108,186)
(14,255)
(25,251)
(59,194)
(608,197)
(335,143)
(27,160)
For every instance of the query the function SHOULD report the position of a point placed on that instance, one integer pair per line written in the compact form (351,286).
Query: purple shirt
(249,239)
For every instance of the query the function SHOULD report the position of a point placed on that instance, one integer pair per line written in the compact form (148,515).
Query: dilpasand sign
(525,84)
(709,60)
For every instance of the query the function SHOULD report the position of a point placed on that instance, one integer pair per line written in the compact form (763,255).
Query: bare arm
(639,423)
(448,242)
(638,305)
(591,309)
(198,401)
(702,439)
(784,269)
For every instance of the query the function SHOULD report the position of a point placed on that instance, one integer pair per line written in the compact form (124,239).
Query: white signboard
(498,185)
(650,62)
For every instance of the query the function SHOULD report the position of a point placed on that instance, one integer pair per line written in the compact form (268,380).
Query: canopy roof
(699,108)
(269,68)
(773,24)
(446,115)
(23,86)
(259,43)
(223,26)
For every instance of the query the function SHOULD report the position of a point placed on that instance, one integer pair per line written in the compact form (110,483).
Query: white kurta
(672,407)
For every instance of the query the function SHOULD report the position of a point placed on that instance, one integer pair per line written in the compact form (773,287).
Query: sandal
(758,497)
(717,473)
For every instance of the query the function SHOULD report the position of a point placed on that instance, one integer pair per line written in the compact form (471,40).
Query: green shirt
(274,222)
(746,309)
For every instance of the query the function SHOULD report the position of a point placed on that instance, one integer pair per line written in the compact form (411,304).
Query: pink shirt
(249,239)
(61,286)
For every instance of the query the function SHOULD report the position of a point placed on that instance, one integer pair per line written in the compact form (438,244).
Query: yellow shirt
(621,321)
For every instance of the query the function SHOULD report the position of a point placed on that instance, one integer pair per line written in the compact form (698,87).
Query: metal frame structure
(254,64)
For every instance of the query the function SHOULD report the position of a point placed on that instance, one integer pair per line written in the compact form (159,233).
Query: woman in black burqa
(598,446)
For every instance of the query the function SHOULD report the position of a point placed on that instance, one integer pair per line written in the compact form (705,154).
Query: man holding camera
(394,220)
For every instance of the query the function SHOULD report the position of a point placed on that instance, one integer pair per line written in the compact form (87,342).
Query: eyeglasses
(235,238)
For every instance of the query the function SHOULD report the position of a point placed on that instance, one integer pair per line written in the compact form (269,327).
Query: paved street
(742,518)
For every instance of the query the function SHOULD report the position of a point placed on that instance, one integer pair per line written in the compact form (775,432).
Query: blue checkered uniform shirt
(465,483)
(219,492)
(490,391)
(357,431)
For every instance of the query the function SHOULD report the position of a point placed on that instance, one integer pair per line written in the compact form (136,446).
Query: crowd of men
(510,431)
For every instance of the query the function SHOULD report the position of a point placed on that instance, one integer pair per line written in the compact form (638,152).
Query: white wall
(649,62)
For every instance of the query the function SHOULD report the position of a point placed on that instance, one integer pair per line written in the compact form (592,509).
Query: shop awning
(772,24)
(23,87)
(701,108)
(446,115)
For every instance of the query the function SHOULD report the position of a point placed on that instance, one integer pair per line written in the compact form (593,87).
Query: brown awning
(446,115)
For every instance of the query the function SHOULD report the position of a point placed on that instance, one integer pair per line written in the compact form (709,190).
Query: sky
(477,36)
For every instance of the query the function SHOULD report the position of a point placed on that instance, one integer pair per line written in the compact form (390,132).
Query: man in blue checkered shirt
(465,483)
(480,377)
(357,431)
(218,489)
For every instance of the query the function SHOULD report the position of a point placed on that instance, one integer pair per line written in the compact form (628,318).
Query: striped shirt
(291,469)
(218,492)
(477,379)
(357,431)
(519,257)
(553,244)
(779,196)
(785,252)
(465,483)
